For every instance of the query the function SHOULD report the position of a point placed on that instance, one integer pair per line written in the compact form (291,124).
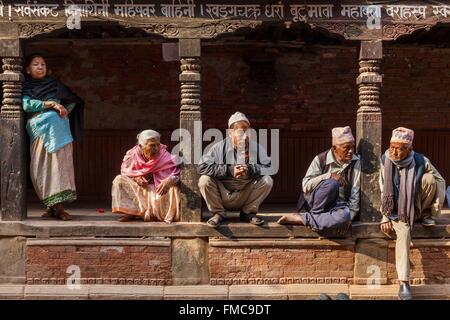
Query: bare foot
(342,230)
(126,218)
(290,219)
(147,216)
(49,213)
(60,213)
(63,216)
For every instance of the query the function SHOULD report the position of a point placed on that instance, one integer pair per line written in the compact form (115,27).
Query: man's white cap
(238,116)
(403,135)
(342,135)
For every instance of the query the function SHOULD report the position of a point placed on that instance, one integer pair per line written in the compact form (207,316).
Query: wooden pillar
(13,170)
(369,127)
(190,119)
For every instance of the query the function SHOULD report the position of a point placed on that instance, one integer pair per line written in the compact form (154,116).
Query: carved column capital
(12,87)
(190,84)
(369,79)
(369,82)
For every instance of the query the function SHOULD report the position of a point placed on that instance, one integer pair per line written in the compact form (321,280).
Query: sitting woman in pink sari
(147,187)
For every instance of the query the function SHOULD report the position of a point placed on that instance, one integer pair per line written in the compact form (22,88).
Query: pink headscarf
(135,165)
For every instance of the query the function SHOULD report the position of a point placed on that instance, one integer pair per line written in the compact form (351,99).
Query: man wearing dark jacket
(235,174)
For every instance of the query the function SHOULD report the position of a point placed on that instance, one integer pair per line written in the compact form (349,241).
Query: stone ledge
(363,292)
(199,292)
(45,292)
(258,292)
(47,229)
(372,230)
(311,291)
(108,292)
(389,292)
(14,292)
(99,242)
(233,292)
(279,243)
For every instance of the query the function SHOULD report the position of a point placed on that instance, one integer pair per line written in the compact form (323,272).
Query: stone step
(204,292)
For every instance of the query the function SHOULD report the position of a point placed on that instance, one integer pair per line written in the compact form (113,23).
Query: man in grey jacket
(235,174)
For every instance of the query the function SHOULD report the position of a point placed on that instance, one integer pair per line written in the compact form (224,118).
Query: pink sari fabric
(135,165)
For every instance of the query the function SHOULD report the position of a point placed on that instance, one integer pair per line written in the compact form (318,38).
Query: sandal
(252,218)
(215,221)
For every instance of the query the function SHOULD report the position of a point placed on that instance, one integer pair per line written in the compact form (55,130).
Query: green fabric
(48,125)
(32,105)
(64,196)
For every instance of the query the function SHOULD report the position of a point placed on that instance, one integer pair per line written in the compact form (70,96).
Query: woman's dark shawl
(49,88)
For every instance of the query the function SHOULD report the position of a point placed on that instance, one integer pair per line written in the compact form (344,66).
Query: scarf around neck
(164,165)
(406,191)
(49,88)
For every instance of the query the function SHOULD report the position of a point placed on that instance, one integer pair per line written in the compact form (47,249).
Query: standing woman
(48,104)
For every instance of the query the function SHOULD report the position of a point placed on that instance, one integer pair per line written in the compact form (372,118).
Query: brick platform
(430,261)
(112,261)
(231,262)
(39,253)
(307,264)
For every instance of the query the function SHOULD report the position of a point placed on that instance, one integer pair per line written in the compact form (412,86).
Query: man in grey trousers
(235,174)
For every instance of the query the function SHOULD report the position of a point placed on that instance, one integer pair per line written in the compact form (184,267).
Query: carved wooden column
(12,134)
(369,127)
(190,256)
(190,119)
